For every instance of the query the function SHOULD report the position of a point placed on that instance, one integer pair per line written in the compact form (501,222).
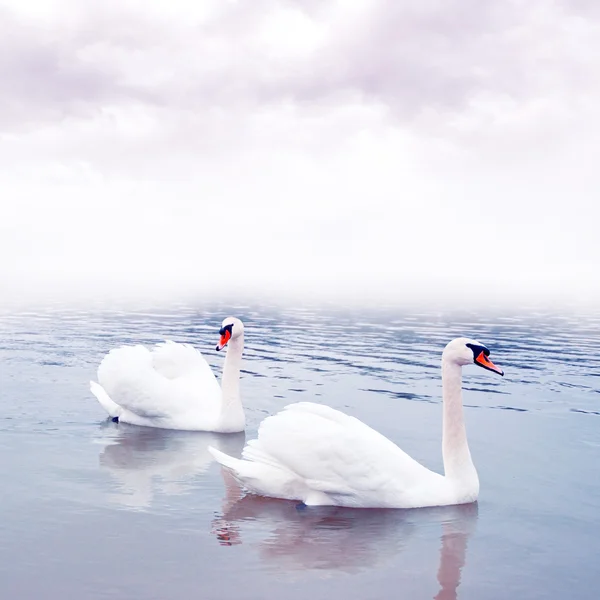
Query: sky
(351,150)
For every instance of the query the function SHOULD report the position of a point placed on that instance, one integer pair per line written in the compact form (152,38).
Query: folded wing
(163,382)
(319,455)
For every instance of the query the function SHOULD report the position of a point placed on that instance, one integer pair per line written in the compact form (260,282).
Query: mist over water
(100,510)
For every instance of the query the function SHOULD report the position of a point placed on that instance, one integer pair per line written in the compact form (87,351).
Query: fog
(355,152)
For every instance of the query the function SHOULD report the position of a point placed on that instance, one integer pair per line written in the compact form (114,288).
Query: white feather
(319,455)
(171,386)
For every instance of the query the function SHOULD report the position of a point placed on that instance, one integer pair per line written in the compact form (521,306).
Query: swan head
(464,351)
(231,329)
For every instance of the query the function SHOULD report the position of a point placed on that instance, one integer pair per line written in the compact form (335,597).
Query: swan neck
(230,382)
(455,450)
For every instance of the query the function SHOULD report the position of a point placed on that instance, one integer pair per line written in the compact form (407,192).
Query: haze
(333,150)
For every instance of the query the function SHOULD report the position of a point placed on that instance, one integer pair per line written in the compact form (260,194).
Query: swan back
(168,381)
(322,456)
(173,360)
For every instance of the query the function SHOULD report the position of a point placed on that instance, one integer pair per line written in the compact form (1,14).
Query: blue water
(91,509)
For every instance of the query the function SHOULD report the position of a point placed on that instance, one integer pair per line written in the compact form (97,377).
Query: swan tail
(224,459)
(260,475)
(112,408)
(254,452)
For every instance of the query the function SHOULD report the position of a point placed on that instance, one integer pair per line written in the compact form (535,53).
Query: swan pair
(306,452)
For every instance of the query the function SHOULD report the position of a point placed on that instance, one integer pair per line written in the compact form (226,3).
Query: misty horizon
(362,152)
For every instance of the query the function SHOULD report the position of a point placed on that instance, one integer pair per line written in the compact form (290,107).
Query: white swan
(321,456)
(173,387)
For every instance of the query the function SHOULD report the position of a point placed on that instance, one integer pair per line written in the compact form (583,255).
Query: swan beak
(483,361)
(225,337)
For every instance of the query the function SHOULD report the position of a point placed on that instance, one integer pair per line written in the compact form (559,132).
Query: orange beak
(483,361)
(225,337)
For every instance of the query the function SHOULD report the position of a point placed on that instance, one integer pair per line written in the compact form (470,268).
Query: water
(91,509)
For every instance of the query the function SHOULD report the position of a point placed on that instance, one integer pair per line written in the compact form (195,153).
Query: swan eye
(226,328)
(477,350)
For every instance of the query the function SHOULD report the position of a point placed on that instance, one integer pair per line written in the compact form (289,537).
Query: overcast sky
(358,148)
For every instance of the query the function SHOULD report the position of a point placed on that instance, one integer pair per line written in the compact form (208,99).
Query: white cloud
(372,149)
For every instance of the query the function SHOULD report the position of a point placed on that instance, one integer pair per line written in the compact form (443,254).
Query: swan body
(321,456)
(171,386)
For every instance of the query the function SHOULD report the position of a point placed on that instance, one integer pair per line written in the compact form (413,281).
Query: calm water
(92,510)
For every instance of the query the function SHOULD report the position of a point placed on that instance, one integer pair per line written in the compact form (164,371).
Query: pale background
(349,150)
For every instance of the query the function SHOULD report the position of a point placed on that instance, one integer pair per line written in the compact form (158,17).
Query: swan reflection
(145,461)
(453,551)
(343,539)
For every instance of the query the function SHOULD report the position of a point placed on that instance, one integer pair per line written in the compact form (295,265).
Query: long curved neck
(455,450)
(230,382)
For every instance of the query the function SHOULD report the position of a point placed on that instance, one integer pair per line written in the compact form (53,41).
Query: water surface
(92,509)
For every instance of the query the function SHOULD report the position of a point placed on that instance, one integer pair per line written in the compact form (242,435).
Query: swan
(173,387)
(320,456)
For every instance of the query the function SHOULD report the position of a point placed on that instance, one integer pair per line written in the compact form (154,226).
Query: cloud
(437,55)
(353,149)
